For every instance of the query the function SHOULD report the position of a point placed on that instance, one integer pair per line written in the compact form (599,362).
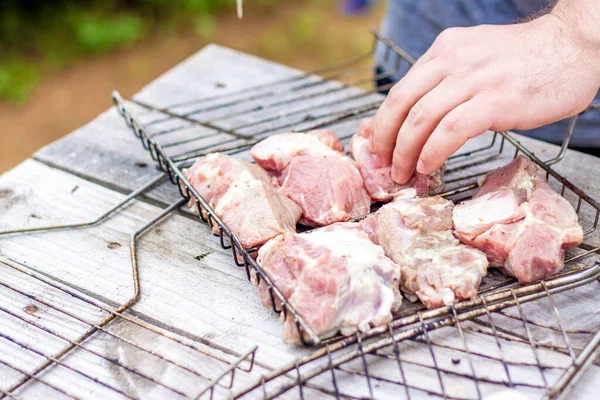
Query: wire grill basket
(178,135)
(360,366)
(510,336)
(86,334)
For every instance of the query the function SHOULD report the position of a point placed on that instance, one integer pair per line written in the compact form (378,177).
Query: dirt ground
(304,35)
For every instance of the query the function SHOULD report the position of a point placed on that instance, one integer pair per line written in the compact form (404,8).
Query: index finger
(393,111)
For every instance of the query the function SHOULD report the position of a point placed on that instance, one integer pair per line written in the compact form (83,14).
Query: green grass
(97,34)
(17,80)
(41,37)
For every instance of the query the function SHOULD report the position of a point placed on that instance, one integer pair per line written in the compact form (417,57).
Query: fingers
(421,121)
(466,121)
(394,109)
(365,128)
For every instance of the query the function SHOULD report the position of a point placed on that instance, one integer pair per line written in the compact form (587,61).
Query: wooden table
(202,298)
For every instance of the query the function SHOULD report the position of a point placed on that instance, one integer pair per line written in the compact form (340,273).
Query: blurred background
(60,59)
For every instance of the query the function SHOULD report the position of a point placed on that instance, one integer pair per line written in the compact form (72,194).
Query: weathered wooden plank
(29,321)
(69,317)
(214,70)
(106,151)
(138,371)
(215,303)
(214,293)
(216,299)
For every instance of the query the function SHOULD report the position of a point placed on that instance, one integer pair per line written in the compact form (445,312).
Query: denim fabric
(414,25)
(382,81)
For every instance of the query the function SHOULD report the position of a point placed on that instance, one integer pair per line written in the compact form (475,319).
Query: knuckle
(450,45)
(416,115)
(453,123)
(448,35)
(444,36)
(394,96)
(499,123)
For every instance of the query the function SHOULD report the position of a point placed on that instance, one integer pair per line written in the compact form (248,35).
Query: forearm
(582,20)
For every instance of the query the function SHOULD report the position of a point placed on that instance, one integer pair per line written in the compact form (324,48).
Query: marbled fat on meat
(522,225)
(328,189)
(417,235)
(314,173)
(213,174)
(335,278)
(377,174)
(276,152)
(241,195)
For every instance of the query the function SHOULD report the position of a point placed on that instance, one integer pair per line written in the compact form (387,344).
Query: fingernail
(421,167)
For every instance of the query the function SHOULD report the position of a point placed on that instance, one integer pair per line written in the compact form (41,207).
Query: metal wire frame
(357,359)
(456,313)
(207,215)
(299,86)
(172,164)
(293,91)
(229,360)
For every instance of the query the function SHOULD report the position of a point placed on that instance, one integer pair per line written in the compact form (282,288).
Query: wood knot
(31,309)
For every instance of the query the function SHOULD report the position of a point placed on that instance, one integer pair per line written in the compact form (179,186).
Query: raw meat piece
(329,138)
(242,195)
(335,278)
(497,241)
(313,172)
(213,174)
(537,253)
(480,214)
(328,189)
(417,235)
(519,175)
(522,225)
(276,152)
(255,212)
(377,175)
(549,207)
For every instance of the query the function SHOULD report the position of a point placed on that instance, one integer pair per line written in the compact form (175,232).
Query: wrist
(581,21)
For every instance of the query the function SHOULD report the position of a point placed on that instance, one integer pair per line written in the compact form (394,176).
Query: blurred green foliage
(37,37)
(17,79)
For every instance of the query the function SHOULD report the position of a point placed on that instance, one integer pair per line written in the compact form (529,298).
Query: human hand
(488,77)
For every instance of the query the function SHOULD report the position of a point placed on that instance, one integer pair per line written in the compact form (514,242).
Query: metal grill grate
(515,338)
(381,363)
(177,135)
(85,333)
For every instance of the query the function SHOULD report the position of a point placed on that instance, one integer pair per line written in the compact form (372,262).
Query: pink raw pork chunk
(276,152)
(522,225)
(328,189)
(334,277)
(378,177)
(417,235)
(242,196)
(314,173)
